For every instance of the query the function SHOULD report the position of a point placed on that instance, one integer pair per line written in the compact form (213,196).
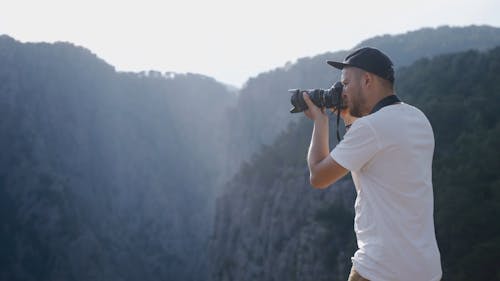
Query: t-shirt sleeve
(359,145)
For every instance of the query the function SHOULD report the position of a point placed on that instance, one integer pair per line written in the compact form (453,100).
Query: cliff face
(273,232)
(271,224)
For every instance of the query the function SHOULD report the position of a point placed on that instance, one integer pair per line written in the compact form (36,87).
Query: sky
(229,40)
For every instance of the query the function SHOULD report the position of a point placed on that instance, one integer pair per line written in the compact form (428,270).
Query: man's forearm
(319,148)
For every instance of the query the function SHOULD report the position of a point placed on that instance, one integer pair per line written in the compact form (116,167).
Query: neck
(375,98)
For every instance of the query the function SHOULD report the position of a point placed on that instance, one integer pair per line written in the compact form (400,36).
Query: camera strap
(338,123)
(389,100)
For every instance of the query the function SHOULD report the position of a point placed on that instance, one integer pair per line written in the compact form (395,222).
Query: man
(388,148)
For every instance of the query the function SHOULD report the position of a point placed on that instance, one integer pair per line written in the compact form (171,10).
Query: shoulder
(359,145)
(362,133)
(394,114)
(398,123)
(363,125)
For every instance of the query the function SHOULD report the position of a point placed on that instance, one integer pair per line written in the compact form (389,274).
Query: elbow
(325,173)
(317,183)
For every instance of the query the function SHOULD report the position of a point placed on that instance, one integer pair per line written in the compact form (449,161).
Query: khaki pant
(354,276)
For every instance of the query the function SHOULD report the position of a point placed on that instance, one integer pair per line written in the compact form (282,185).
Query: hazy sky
(229,40)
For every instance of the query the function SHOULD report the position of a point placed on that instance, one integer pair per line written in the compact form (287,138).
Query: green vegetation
(113,176)
(460,94)
(104,175)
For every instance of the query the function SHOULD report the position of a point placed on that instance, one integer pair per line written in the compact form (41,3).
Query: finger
(307,99)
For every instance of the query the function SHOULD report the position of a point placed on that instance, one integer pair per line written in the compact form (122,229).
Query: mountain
(406,48)
(112,175)
(263,103)
(271,225)
(100,174)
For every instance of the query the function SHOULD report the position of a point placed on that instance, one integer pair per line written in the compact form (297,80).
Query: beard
(356,103)
(355,111)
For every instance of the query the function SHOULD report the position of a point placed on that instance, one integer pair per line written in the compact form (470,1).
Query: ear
(366,79)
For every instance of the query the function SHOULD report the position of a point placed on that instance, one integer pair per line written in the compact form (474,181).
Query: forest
(109,175)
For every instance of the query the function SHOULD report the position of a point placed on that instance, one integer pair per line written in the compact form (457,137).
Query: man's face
(353,91)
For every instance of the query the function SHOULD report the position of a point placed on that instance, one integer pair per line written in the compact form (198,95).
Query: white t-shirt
(389,154)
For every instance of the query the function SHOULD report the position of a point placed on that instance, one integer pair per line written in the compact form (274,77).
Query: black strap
(389,100)
(338,123)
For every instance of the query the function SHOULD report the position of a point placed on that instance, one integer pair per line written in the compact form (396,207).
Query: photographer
(388,149)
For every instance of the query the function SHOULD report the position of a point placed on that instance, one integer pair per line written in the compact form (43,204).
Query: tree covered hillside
(460,94)
(271,225)
(104,175)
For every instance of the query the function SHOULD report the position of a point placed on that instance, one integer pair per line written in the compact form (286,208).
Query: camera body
(329,98)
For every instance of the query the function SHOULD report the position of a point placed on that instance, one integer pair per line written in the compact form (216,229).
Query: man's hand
(313,112)
(322,168)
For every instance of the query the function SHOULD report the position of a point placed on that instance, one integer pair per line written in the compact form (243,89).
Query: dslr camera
(329,98)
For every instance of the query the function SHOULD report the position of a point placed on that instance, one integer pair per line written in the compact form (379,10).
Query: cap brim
(336,64)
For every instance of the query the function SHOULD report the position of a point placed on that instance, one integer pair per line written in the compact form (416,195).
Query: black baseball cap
(369,59)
